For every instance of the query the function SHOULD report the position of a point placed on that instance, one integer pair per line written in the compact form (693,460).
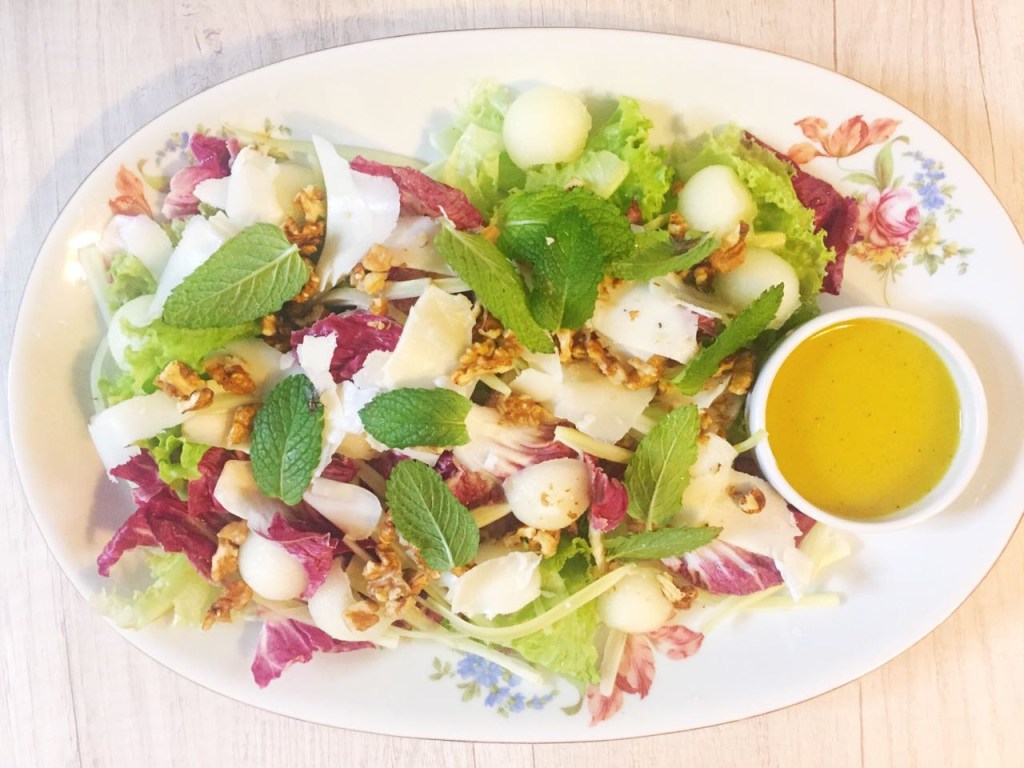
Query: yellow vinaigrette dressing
(863,418)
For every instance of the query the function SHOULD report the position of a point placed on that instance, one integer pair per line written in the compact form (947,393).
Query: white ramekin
(973,419)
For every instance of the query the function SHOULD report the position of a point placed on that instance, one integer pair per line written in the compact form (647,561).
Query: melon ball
(270,569)
(546,125)
(760,270)
(636,604)
(715,200)
(550,495)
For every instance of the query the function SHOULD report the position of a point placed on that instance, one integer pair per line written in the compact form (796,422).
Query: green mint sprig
(251,275)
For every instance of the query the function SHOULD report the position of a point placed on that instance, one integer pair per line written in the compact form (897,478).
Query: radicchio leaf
(723,569)
(200,490)
(608,498)
(286,642)
(473,489)
(213,161)
(421,195)
(500,449)
(676,641)
(358,334)
(340,469)
(314,549)
(162,518)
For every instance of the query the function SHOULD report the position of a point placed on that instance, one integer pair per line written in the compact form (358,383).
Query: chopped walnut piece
(309,237)
(372,283)
(385,582)
(199,400)
(607,285)
(721,414)
(379,306)
(488,356)
(224,570)
(729,257)
(241,424)
(749,500)
(310,288)
(225,559)
(311,201)
(487,326)
(634,373)
(268,325)
(742,378)
(234,597)
(362,615)
(681,597)
(677,225)
(522,411)
(179,380)
(544,543)
(231,374)
(378,259)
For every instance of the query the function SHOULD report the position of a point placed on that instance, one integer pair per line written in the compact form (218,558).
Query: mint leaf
(741,332)
(566,273)
(659,471)
(429,517)
(286,438)
(251,275)
(656,253)
(404,418)
(527,220)
(496,283)
(654,545)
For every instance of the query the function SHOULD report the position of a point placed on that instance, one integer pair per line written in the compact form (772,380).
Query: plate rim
(19,334)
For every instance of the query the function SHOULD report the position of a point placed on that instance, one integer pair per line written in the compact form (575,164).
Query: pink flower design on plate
(888,218)
(852,135)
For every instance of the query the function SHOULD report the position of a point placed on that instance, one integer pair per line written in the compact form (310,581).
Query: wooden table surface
(79,76)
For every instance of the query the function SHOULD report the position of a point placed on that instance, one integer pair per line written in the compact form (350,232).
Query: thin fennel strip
(587,444)
(505,634)
(614,647)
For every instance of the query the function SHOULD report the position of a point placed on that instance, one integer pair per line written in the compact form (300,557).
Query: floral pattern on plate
(900,216)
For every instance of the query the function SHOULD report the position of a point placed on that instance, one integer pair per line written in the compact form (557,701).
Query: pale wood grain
(78,77)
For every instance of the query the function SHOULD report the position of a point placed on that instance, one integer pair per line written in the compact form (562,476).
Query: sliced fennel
(489,513)
(751,441)
(614,647)
(587,444)
(505,634)
(299,146)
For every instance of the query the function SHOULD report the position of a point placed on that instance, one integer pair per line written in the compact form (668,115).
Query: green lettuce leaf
(567,646)
(778,209)
(624,134)
(153,346)
(129,279)
(602,172)
(474,159)
(177,459)
(176,588)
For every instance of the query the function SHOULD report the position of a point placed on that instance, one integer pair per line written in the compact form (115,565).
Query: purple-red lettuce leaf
(723,569)
(285,642)
(421,195)
(358,334)
(608,498)
(313,549)
(213,161)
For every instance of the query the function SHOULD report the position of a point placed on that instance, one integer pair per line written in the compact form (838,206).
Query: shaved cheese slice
(498,586)
(115,430)
(361,210)
(771,532)
(541,380)
(643,320)
(438,332)
(248,195)
(352,508)
(211,429)
(597,405)
(412,245)
(140,236)
(327,608)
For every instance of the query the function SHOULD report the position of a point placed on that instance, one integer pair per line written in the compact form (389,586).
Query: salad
(493,403)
